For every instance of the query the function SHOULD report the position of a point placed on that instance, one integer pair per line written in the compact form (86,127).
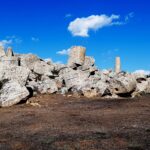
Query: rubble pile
(26,75)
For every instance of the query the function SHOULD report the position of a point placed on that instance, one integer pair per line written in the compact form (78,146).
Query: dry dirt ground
(67,123)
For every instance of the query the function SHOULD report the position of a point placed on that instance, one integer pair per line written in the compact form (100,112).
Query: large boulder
(147,90)
(73,78)
(44,85)
(139,76)
(93,87)
(15,73)
(122,84)
(42,68)
(11,93)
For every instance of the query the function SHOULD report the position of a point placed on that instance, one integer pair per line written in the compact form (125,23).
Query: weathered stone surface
(147,90)
(142,86)
(2,51)
(58,67)
(15,73)
(10,60)
(42,68)
(89,61)
(73,78)
(11,93)
(139,76)
(77,55)
(28,60)
(123,84)
(9,52)
(45,85)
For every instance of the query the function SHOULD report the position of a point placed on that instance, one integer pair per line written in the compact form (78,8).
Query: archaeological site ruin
(25,75)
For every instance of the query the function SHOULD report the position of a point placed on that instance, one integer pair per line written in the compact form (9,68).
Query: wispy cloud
(5,43)
(34,39)
(82,26)
(64,52)
(129,16)
(68,15)
(14,39)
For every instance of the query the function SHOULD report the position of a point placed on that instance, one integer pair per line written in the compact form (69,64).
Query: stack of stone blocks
(8,57)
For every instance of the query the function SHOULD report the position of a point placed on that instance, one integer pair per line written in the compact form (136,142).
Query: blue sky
(107,28)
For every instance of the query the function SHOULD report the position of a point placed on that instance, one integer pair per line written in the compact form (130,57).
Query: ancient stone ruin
(25,75)
(118,65)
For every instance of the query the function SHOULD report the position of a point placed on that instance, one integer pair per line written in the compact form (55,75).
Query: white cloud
(81,26)
(146,72)
(64,52)
(5,43)
(34,39)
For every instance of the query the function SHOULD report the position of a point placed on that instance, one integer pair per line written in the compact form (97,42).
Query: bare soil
(67,123)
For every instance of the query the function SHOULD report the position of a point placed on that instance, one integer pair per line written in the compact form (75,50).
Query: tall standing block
(118,65)
(9,52)
(76,55)
(2,51)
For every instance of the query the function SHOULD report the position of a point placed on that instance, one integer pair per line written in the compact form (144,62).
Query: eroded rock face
(42,68)
(15,73)
(89,61)
(28,60)
(148,87)
(11,93)
(73,78)
(123,84)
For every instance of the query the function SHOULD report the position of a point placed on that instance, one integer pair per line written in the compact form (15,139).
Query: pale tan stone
(77,55)
(9,52)
(2,51)
(118,65)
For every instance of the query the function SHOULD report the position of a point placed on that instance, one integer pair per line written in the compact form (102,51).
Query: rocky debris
(11,93)
(30,75)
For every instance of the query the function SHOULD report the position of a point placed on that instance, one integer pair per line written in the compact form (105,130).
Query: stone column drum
(76,56)
(118,65)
